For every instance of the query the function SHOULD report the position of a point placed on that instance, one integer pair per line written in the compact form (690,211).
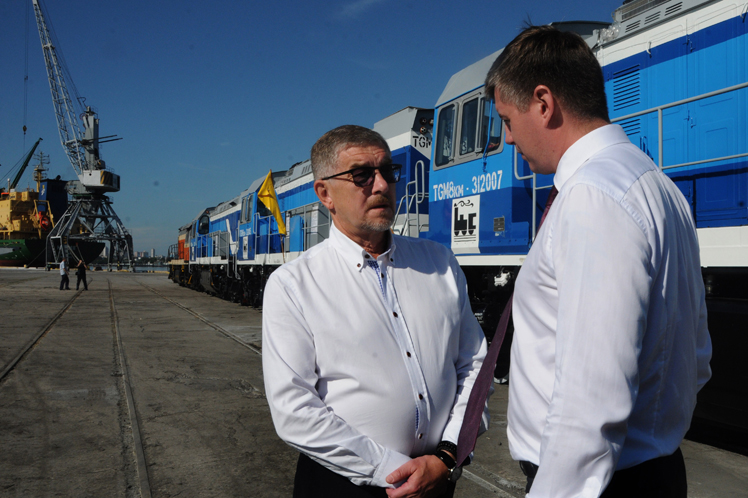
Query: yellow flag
(267,196)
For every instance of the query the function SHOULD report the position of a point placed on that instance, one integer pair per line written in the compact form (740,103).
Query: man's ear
(320,188)
(544,103)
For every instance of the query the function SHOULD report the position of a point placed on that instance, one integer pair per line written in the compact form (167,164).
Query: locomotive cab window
(490,118)
(469,127)
(203,225)
(247,208)
(479,129)
(445,135)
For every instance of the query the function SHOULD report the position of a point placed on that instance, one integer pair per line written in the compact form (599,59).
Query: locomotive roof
(226,205)
(258,183)
(399,122)
(296,171)
(637,15)
(474,75)
(189,225)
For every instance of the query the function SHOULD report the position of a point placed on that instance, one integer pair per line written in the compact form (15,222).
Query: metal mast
(89,216)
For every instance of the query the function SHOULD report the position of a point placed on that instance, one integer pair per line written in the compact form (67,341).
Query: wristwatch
(454,471)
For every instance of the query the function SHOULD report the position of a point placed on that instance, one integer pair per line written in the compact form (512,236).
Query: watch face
(455,474)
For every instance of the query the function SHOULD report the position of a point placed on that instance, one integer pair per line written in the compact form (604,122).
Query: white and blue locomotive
(676,76)
(229,250)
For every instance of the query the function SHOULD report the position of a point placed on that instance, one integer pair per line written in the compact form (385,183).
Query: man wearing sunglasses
(370,347)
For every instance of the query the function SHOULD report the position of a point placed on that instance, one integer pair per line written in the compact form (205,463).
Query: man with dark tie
(610,329)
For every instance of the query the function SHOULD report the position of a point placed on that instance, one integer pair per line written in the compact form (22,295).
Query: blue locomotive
(676,74)
(229,250)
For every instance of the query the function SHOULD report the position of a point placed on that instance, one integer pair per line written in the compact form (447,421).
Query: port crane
(89,216)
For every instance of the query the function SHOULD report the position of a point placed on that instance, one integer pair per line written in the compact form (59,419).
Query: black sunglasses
(364,176)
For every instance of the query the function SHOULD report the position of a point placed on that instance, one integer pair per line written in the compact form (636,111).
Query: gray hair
(325,151)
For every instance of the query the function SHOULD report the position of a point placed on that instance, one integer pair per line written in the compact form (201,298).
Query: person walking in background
(610,328)
(64,279)
(81,273)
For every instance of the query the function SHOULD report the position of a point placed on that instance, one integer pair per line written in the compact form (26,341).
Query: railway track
(207,322)
(36,337)
(124,386)
(141,464)
(129,430)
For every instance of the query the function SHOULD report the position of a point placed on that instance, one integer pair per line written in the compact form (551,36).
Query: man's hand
(426,476)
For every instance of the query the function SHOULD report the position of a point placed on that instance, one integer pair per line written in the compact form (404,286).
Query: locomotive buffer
(89,216)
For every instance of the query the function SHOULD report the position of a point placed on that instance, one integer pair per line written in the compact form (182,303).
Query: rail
(660,151)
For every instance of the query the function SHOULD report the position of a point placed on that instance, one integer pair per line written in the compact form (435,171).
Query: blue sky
(209,96)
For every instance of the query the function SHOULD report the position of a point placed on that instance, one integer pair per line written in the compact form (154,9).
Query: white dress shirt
(611,342)
(366,365)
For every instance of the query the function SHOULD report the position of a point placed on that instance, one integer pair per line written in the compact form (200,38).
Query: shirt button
(420,436)
(392,260)
(359,265)
(394,313)
(382,274)
(420,396)
(408,353)
(366,256)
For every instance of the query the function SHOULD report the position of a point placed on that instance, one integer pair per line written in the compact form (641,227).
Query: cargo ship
(27,217)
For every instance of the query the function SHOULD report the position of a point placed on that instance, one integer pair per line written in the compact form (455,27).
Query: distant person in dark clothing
(81,272)
(64,281)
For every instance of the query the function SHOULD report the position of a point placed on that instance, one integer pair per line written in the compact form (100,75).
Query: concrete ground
(138,387)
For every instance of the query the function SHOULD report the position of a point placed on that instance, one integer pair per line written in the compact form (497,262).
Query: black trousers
(663,477)
(64,282)
(81,278)
(315,481)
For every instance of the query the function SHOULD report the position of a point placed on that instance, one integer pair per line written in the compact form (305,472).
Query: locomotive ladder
(409,201)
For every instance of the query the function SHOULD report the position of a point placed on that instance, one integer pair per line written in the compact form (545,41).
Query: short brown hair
(560,60)
(325,151)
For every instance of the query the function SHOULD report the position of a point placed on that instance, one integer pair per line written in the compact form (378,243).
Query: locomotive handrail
(660,152)
(535,189)
(421,168)
(659,109)
(418,196)
(406,200)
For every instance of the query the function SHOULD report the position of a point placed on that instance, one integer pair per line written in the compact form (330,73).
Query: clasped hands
(425,476)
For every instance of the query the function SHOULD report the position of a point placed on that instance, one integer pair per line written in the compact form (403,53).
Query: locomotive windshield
(445,125)
(479,126)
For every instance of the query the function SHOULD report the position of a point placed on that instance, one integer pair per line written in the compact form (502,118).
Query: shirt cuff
(392,461)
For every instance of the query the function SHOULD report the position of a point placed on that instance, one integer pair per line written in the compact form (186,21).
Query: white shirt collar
(354,254)
(584,148)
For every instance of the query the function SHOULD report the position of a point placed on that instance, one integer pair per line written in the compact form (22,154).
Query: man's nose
(380,184)
(508,138)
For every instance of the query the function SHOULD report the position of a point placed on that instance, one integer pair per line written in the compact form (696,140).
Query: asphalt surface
(138,387)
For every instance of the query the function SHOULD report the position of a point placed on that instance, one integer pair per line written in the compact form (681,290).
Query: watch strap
(447,446)
(445,457)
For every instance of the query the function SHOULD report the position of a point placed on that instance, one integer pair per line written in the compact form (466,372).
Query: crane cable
(26,78)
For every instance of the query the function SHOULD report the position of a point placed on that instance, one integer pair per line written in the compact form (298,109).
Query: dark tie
(479,393)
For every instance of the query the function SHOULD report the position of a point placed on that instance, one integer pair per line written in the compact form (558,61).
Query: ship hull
(31,252)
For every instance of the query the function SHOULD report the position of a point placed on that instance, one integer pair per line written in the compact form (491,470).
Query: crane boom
(82,148)
(26,161)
